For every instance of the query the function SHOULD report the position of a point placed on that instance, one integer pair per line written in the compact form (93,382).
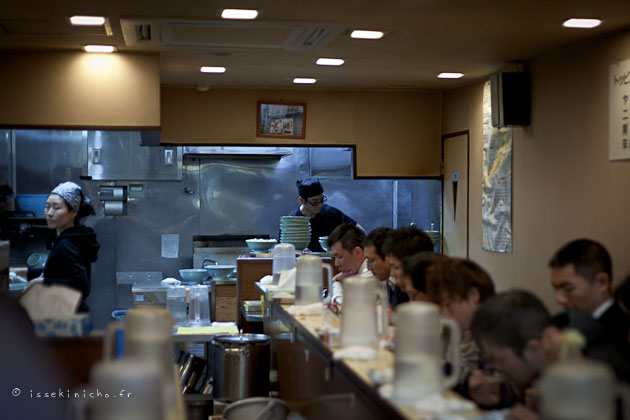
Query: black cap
(309,187)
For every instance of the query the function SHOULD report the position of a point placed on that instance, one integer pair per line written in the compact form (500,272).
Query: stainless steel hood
(239,152)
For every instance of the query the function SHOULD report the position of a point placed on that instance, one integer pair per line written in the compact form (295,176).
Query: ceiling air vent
(219,34)
(141,32)
(312,37)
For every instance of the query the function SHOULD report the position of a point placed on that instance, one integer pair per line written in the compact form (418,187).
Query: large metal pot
(241,366)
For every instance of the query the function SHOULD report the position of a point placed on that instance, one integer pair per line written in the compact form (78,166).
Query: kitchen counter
(332,386)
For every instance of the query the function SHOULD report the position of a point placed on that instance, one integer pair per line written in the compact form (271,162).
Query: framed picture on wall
(281,120)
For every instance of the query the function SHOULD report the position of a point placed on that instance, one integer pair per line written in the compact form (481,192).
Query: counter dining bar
(317,385)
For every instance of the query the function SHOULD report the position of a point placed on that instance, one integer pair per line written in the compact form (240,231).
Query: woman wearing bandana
(75,246)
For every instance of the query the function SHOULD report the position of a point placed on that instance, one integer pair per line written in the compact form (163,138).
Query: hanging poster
(619,108)
(496,191)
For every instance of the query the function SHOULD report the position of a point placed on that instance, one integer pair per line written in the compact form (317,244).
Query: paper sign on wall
(619,111)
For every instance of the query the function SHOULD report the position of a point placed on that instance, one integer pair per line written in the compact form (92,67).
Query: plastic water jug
(283,259)
(359,324)
(418,368)
(309,279)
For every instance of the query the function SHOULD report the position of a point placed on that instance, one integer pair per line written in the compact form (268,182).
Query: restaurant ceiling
(423,37)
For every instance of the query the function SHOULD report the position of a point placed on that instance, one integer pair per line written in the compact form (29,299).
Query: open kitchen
(502,169)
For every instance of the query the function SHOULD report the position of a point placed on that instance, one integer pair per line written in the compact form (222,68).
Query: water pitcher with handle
(360,321)
(308,279)
(418,368)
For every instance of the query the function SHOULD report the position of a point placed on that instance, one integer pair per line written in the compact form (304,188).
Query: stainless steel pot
(241,366)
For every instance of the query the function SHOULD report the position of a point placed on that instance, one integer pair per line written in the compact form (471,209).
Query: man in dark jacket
(324,218)
(581,274)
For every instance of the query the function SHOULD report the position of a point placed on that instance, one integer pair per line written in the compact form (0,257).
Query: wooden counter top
(311,330)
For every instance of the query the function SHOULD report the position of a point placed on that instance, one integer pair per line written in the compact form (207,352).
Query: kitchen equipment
(199,306)
(176,303)
(360,322)
(31,203)
(260,245)
(578,389)
(191,373)
(295,230)
(308,279)
(199,406)
(193,275)
(323,244)
(417,356)
(219,272)
(148,294)
(36,264)
(241,366)
(257,409)
(283,259)
(147,334)
(223,249)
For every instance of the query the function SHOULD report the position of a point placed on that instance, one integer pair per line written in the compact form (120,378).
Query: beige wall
(564,186)
(396,134)
(76,89)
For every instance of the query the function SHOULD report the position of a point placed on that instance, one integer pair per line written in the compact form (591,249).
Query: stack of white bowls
(295,230)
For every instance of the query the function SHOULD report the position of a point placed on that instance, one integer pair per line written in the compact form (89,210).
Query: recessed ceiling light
(239,14)
(581,23)
(304,80)
(329,61)
(209,69)
(361,34)
(450,75)
(99,48)
(87,20)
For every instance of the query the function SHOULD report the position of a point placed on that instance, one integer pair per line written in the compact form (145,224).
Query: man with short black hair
(401,243)
(517,331)
(346,243)
(324,218)
(581,274)
(378,263)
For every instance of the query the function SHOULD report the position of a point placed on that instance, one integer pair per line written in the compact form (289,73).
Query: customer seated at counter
(460,286)
(324,218)
(414,273)
(401,243)
(515,329)
(378,264)
(581,274)
(346,243)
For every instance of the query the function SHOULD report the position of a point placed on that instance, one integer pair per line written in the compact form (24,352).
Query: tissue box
(76,326)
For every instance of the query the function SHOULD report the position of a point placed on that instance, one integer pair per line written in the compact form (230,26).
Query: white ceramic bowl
(260,245)
(193,275)
(219,272)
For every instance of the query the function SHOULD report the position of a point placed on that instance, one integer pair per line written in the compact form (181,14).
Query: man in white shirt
(346,243)
(581,274)
(378,264)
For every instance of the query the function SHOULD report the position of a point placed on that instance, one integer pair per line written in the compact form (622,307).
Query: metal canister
(241,366)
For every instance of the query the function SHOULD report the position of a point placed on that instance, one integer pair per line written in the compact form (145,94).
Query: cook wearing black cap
(324,218)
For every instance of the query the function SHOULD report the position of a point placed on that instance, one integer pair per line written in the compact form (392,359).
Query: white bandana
(71,193)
